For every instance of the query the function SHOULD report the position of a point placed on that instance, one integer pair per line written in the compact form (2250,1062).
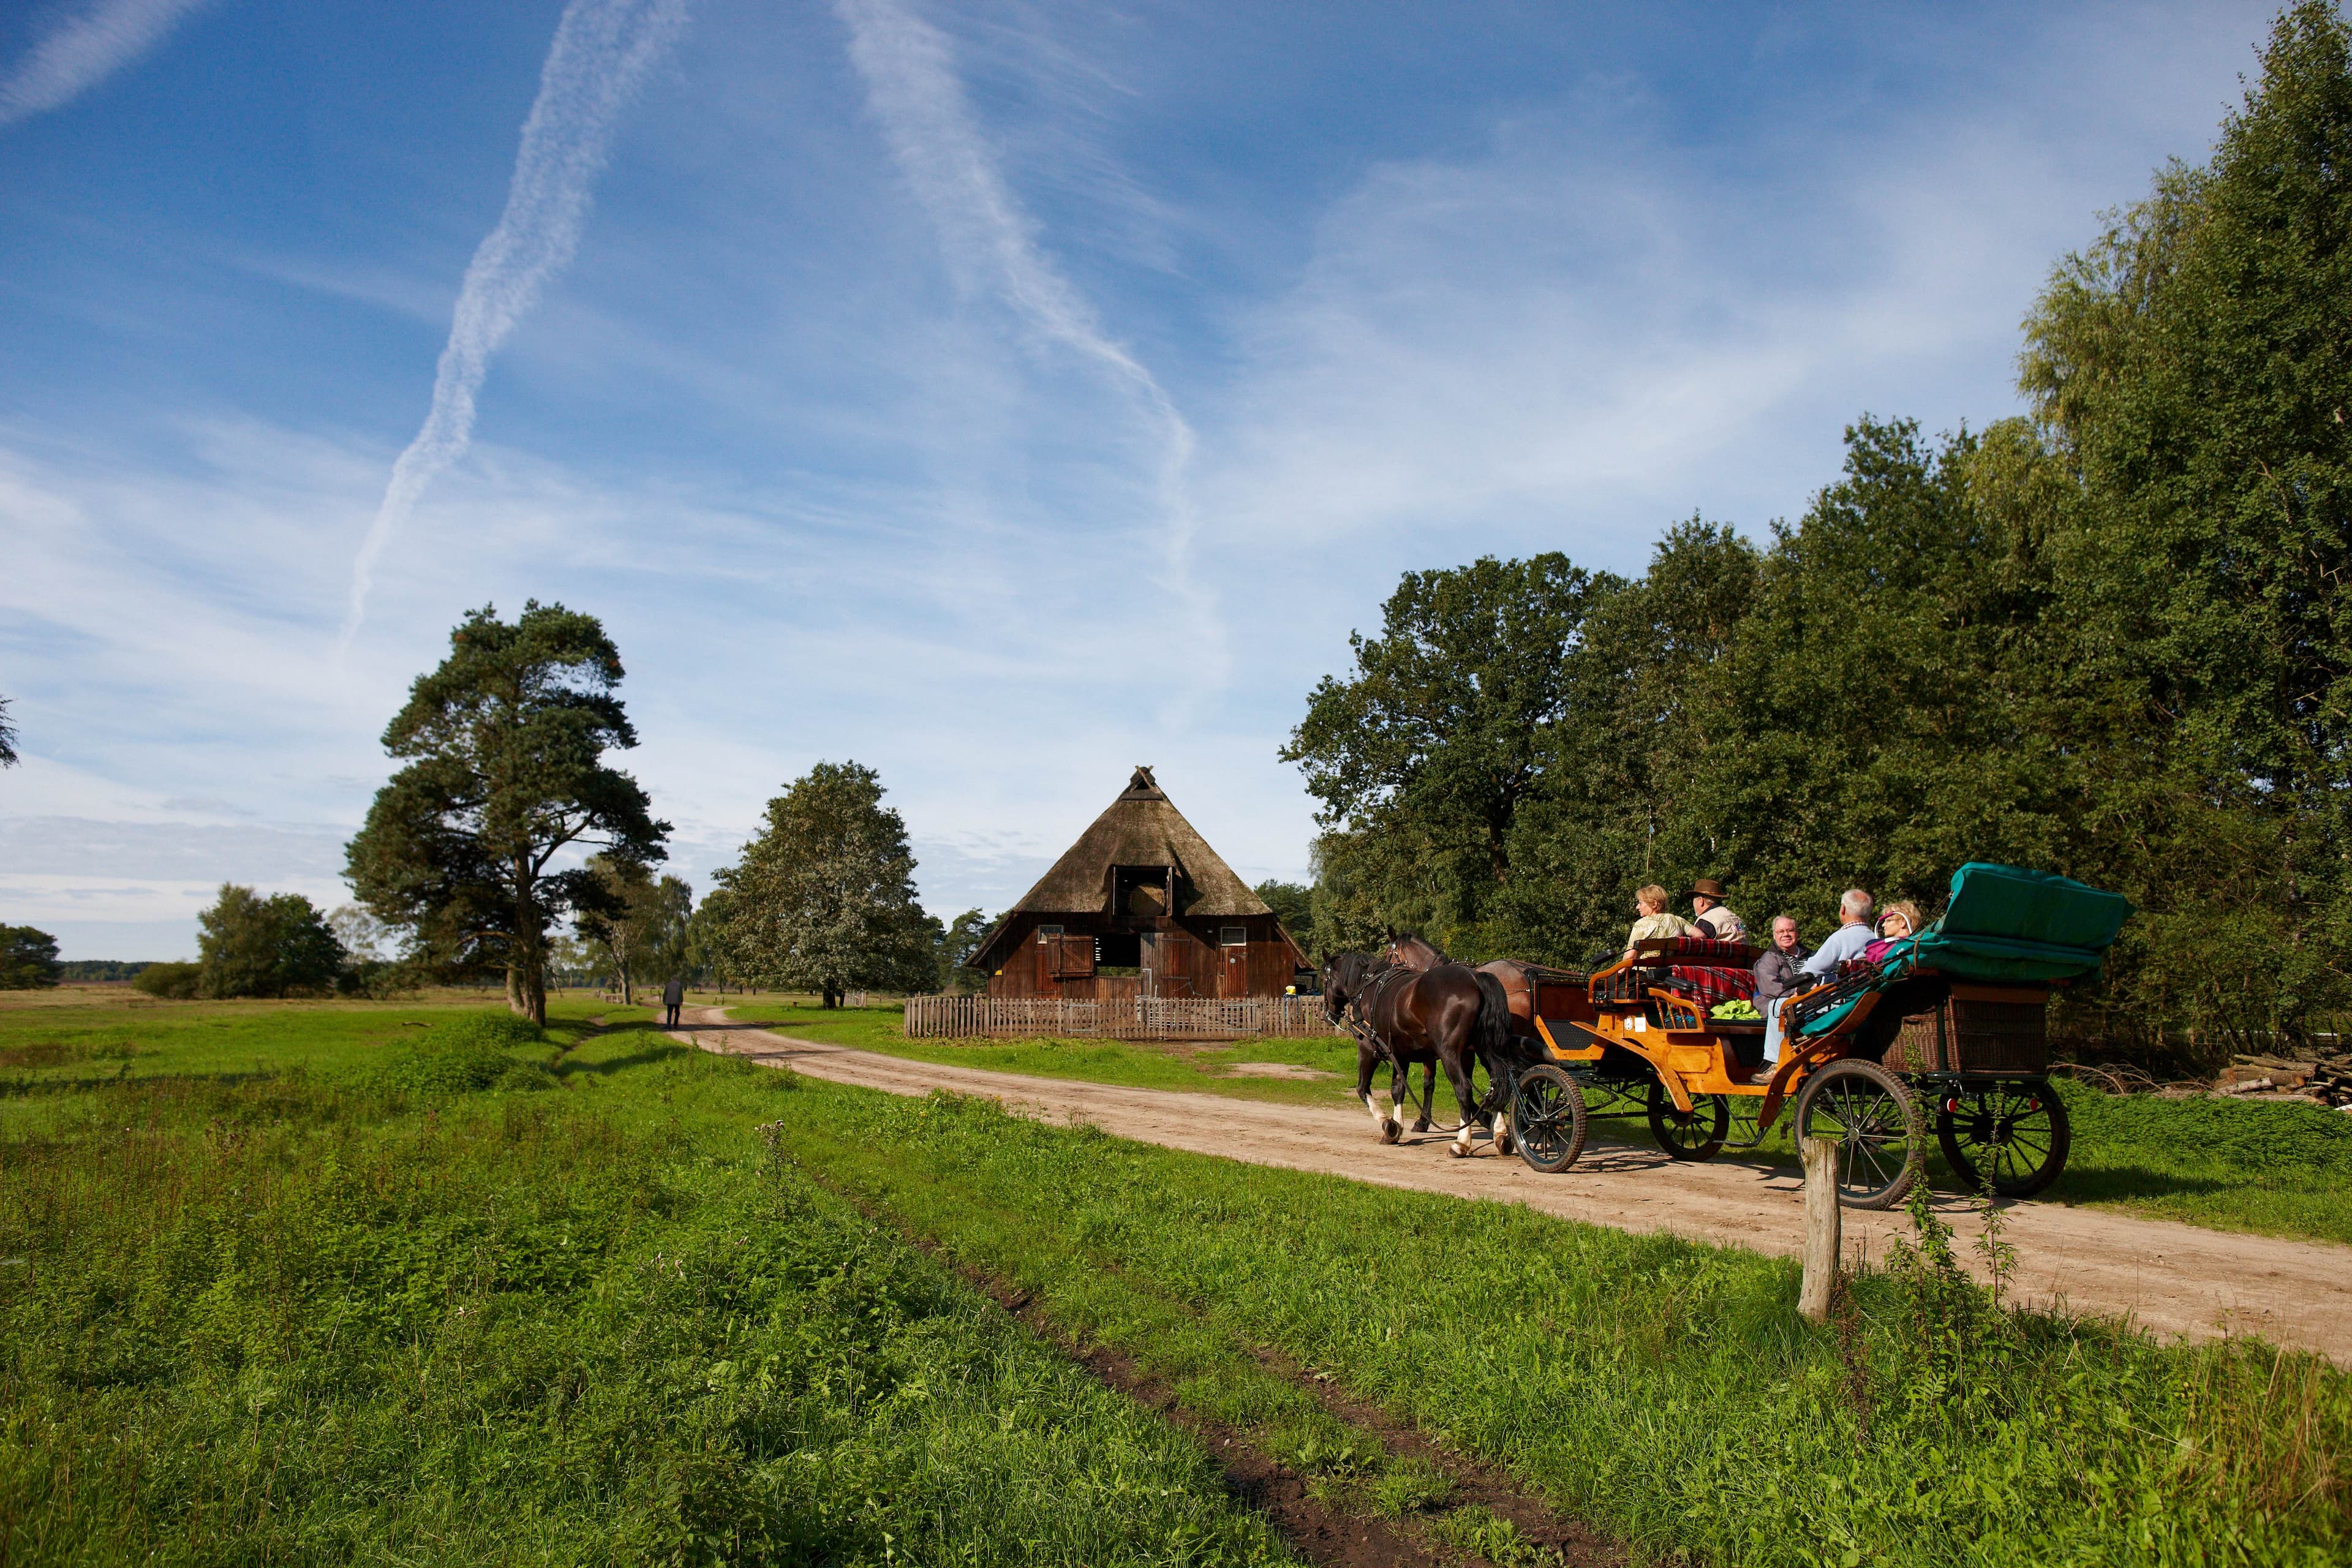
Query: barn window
(1047,933)
(1233,936)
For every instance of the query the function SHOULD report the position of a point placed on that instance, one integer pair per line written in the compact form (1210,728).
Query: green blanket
(2006,923)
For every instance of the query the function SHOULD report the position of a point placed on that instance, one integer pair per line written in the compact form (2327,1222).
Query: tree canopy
(2112,640)
(28,959)
(504,747)
(824,898)
(275,946)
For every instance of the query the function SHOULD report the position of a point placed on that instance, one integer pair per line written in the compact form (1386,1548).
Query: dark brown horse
(1350,981)
(1446,1013)
(1505,1052)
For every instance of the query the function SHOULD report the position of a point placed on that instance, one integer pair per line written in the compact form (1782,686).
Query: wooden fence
(1129,1018)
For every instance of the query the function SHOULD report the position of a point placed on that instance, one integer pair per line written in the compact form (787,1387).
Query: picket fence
(1126,1018)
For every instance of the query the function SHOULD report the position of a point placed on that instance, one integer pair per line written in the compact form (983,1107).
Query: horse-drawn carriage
(1949,1023)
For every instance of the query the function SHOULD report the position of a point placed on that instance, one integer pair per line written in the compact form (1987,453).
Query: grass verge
(1661,1388)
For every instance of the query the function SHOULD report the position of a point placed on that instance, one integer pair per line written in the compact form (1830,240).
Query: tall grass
(328,1318)
(1662,1388)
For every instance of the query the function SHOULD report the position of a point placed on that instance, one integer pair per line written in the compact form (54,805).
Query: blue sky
(998,395)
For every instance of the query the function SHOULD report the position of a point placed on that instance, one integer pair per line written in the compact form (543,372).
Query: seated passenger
(1711,916)
(1777,974)
(1851,937)
(1899,921)
(1847,942)
(1650,903)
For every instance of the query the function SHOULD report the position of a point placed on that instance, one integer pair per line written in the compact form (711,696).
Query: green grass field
(2278,1169)
(261,1303)
(266,1295)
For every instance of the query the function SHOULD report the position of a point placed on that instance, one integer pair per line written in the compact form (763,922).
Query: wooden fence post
(1822,1230)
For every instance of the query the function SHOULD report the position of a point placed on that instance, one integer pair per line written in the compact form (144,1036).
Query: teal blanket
(2005,924)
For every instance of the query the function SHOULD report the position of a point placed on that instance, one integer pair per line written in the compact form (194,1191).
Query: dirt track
(2178,1280)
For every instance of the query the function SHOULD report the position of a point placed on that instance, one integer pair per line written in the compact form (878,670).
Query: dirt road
(2176,1280)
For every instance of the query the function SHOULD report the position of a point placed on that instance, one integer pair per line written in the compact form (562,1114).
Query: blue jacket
(1846,941)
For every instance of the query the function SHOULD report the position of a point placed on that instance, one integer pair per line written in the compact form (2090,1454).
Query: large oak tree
(505,745)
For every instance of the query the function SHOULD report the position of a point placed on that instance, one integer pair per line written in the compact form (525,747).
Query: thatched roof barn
(1139,905)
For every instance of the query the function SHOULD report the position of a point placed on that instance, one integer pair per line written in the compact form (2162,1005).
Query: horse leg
(1465,1096)
(1428,1092)
(1383,1123)
(1503,1100)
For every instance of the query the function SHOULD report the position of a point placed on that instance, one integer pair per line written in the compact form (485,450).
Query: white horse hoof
(1457,1150)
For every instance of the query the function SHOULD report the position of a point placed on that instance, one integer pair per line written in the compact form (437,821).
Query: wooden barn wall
(1189,960)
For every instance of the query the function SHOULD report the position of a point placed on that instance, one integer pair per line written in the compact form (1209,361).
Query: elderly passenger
(1650,905)
(1898,921)
(1776,971)
(1851,937)
(1847,942)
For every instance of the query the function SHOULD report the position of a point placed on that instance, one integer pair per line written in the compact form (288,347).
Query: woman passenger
(1650,904)
(1898,921)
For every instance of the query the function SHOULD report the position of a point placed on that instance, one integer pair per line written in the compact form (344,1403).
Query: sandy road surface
(2178,1280)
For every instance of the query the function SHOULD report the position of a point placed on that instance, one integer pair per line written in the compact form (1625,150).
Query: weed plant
(1659,1387)
(349,1316)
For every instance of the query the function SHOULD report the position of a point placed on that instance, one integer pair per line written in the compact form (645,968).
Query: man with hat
(1711,915)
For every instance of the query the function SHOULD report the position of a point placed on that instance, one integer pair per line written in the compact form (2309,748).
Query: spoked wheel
(1694,1134)
(1875,1119)
(2016,1134)
(1547,1119)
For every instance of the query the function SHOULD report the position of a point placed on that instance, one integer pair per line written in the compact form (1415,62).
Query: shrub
(172,982)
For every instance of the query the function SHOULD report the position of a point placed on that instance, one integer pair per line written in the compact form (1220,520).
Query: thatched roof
(1141,827)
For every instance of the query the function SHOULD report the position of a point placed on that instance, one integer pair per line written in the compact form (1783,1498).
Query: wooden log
(1821,1230)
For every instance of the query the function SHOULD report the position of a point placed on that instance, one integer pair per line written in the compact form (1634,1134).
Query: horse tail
(1494,1021)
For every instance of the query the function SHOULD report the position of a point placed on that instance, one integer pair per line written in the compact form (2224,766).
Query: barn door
(1073,957)
(1233,952)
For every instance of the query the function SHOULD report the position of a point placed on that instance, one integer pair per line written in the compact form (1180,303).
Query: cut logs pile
(2321,1077)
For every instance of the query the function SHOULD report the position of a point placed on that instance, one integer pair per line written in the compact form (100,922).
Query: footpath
(2180,1281)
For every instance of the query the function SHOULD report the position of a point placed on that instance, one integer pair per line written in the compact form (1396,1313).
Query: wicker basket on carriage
(1978,1031)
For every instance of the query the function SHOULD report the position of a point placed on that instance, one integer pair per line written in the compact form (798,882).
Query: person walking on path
(673,997)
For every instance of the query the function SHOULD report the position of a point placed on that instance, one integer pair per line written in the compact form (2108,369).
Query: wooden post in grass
(1822,1237)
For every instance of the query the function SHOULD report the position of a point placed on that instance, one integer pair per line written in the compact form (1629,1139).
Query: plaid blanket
(1708,983)
(1700,950)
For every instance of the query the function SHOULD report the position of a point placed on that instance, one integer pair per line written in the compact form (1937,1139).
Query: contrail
(84,51)
(912,84)
(602,51)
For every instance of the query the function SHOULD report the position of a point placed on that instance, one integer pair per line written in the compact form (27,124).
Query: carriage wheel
(2017,1134)
(1694,1134)
(1547,1119)
(1875,1119)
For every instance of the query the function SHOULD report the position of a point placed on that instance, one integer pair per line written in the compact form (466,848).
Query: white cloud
(84,50)
(602,51)
(992,242)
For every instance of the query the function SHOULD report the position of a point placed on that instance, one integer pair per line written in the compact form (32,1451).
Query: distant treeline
(84,971)
(2112,640)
